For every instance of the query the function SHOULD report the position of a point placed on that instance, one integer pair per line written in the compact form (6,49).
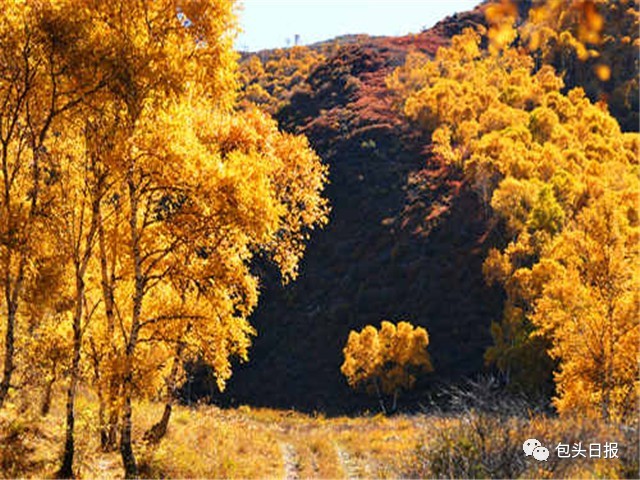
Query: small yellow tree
(385,361)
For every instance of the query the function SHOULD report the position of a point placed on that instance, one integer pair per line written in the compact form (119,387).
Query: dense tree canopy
(560,174)
(270,79)
(138,197)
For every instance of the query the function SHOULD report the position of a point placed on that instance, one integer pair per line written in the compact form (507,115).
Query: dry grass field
(208,442)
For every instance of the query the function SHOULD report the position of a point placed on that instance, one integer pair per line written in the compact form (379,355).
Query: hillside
(407,237)
(199,247)
(405,241)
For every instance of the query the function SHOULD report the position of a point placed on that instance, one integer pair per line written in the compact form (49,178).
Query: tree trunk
(101,418)
(109,428)
(12,295)
(112,431)
(109,432)
(46,402)
(108,422)
(9,347)
(126,450)
(66,470)
(159,430)
(394,406)
(379,393)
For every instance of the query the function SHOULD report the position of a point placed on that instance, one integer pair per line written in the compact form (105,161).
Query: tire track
(350,466)
(291,462)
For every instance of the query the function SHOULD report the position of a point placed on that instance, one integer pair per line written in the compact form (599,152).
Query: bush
(478,446)
(485,445)
(487,394)
(17,432)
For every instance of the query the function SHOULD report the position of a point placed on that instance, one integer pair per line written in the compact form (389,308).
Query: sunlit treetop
(591,43)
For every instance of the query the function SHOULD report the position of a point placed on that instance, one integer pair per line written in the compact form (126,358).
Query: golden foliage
(387,360)
(137,195)
(270,81)
(501,18)
(592,44)
(544,162)
(589,308)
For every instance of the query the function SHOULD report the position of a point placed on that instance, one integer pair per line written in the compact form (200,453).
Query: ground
(208,442)
(205,441)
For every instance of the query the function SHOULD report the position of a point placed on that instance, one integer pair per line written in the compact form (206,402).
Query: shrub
(17,431)
(478,446)
(386,361)
(485,445)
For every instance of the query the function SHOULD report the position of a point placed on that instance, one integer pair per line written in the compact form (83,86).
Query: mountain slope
(407,237)
(406,240)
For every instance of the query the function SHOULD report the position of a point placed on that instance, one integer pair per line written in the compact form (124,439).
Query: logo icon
(530,445)
(541,454)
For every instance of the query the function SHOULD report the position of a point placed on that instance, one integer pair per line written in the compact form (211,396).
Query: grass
(489,445)
(208,442)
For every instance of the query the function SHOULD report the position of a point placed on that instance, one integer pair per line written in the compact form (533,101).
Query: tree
(386,361)
(196,191)
(80,189)
(589,308)
(138,194)
(541,159)
(34,94)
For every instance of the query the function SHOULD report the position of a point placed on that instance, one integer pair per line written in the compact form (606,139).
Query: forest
(369,257)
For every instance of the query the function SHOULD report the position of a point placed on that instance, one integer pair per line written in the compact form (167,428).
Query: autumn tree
(269,80)
(138,195)
(386,361)
(80,190)
(589,308)
(592,44)
(538,158)
(196,190)
(34,95)
(44,42)
(586,42)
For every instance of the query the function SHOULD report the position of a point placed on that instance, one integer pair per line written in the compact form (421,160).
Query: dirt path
(290,460)
(350,466)
(107,466)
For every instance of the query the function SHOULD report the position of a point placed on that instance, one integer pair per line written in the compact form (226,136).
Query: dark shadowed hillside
(406,240)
